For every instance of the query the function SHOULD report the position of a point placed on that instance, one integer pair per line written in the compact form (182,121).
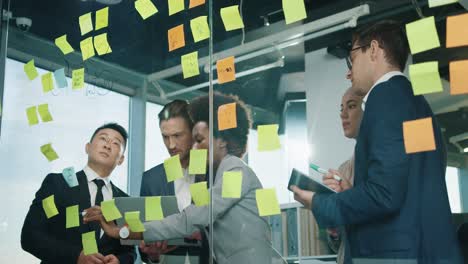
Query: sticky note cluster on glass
(44,113)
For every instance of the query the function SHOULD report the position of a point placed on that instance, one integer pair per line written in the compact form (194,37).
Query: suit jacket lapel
(84,200)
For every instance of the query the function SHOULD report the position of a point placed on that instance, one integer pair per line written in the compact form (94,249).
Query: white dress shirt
(382,79)
(182,190)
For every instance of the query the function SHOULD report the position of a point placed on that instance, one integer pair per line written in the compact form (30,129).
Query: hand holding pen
(332,179)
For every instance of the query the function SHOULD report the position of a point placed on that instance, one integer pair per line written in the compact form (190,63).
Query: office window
(453,189)
(155,151)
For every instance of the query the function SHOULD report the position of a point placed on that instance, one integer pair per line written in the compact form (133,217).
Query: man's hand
(303,196)
(331,182)
(95,214)
(91,259)
(155,250)
(196,235)
(111,259)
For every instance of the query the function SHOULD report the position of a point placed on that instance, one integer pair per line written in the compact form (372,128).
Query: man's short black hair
(391,37)
(236,138)
(113,126)
(176,108)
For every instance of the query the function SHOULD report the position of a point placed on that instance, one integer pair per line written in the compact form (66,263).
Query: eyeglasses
(348,58)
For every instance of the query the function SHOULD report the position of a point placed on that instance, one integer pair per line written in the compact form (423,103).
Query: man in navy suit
(48,239)
(398,210)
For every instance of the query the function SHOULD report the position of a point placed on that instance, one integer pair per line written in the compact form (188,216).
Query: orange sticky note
(419,135)
(457,31)
(226,70)
(227,117)
(459,77)
(194,3)
(176,38)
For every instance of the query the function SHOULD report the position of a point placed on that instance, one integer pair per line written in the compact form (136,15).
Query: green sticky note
(86,23)
(134,222)
(175,6)
(102,18)
(30,70)
(267,202)
(173,168)
(422,35)
(47,82)
(190,64)
(87,48)
(49,207)
(145,8)
(153,209)
(200,193)
(197,164)
(89,243)
(200,28)
(72,217)
(232,184)
(31,113)
(268,138)
(49,152)
(294,10)
(101,44)
(63,44)
(434,3)
(231,18)
(44,113)
(109,210)
(425,78)
(78,78)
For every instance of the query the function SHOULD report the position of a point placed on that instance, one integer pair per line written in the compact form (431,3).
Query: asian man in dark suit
(49,239)
(398,210)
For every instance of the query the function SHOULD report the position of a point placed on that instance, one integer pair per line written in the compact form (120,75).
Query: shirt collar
(91,175)
(382,79)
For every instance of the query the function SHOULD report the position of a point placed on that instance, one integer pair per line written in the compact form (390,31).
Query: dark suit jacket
(398,207)
(49,239)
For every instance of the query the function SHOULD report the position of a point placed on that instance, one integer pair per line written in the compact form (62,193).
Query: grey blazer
(240,234)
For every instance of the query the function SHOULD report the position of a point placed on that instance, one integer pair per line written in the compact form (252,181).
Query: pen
(323,171)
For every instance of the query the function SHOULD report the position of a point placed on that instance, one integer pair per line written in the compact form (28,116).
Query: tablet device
(304,182)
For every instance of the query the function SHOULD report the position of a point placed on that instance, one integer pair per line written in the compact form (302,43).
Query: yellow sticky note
(231,18)
(78,78)
(194,3)
(89,243)
(227,116)
(48,204)
(173,168)
(198,158)
(268,138)
(267,202)
(459,77)
(49,152)
(134,222)
(176,37)
(102,18)
(232,184)
(31,113)
(86,23)
(190,64)
(200,193)
(226,70)
(44,112)
(87,48)
(435,3)
(109,210)
(175,6)
(145,8)
(101,44)
(419,135)
(422,35)
(200,28)
(425,78)
(63,44)
(47,82)
(294,10)
(153,208)
(72,216)
(457,31)
(30,70)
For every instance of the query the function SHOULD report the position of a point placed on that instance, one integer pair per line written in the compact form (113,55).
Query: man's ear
(374,49)
(121,160)
(87,148)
